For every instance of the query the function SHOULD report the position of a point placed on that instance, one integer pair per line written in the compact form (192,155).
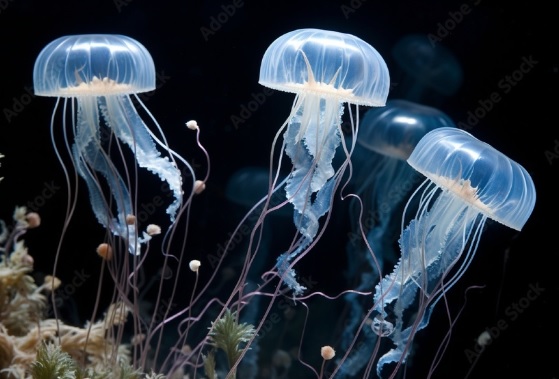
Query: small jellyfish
(382,181)
(325,69)
(98,76)
(428,71)
(468,181)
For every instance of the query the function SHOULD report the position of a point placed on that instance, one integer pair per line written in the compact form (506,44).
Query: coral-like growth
(43,348)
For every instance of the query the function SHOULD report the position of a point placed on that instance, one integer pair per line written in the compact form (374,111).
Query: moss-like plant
(228,335)
(53,363)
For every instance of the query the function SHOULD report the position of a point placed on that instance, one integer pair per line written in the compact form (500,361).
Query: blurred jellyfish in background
(467,182)
(96,79)
(426,72)
(382,180)
(325,69)
(381,176)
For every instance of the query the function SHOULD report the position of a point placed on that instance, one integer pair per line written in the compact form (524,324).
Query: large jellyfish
(467,182)
(98,76)
(382,181)
(325,69)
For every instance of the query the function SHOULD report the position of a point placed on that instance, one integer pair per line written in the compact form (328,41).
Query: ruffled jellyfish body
(467,182)
(428,70)
(325,69)
(96,75)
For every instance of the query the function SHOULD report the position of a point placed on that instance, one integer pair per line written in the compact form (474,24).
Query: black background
(209,78)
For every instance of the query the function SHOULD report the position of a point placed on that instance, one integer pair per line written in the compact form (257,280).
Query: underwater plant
(35,345)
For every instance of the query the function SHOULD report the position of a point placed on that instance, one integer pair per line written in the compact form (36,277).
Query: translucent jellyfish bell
(478,174)
(394,130)
(93,65)
(96,74)
(325,69)
(326,64)
(467,182)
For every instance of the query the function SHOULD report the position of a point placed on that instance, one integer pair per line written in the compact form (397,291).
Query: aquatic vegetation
(230,336)
(28,337)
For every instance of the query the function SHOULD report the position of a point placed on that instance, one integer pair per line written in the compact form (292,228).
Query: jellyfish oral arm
(312,136)
(92,161)
(131,129)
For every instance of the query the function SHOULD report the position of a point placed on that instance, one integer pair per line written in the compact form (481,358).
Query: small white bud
(194,265)
(192,124)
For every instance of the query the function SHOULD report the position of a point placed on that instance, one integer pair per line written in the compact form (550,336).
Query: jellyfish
(467,182)
(325,69)
(98,76)
(428,72)
(114,142)
(382,180)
